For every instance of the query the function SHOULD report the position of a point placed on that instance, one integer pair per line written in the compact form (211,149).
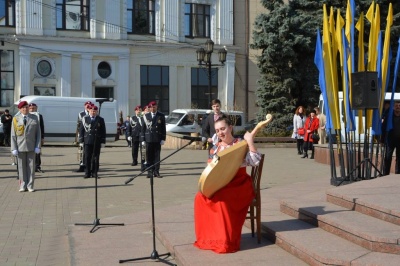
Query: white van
(187,121)
(321,105)
(60,115)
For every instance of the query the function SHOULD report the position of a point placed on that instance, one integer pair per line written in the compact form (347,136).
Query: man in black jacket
(92,134)
(6,120)
(208,123)
(135,133)
(154,133)
(392,141)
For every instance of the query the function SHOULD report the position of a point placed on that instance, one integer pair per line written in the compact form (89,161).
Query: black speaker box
(365,93)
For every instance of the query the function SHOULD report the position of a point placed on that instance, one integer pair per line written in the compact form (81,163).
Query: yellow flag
(361,65)
(348,21)
(327,57)
(386,48)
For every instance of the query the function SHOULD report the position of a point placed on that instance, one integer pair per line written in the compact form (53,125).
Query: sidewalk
(38,228)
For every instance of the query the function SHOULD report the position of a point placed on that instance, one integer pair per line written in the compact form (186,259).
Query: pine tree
(286,36)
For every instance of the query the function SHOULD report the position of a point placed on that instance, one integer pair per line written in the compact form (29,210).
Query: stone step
(377,197)
(366,231)
(315,246)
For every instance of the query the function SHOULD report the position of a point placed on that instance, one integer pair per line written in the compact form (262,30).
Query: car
(250,125)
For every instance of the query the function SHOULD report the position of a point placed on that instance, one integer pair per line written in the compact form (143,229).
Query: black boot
(312,154)
(305,155)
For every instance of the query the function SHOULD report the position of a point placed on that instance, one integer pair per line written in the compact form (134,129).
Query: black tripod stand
(94,163)
(154,255)
(366,163)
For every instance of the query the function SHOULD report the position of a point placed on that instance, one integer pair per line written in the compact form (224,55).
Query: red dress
(219,220)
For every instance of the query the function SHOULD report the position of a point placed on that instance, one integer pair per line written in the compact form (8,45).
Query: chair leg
(252,220)
(258,218)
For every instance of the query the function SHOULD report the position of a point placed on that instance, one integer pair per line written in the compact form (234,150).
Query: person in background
(299,119)
(25,143)
(135,133)
(311,125)
(208,124)
(92,136)
(81,149)
(33,109)
(219,220)
(126,127)
(6,119)
(154,133)
(322,123)
(392,141)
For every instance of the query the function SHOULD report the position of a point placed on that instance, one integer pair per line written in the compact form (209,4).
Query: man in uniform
(25,142)
(92,135)
(33,110)
(135,133)
(81,150)
(208,124)
(6,119)
(154,133)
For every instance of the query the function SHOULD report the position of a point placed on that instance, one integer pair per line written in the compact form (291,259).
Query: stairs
(356,224)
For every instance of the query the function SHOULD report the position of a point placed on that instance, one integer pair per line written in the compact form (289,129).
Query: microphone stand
(154,255)
(93,162)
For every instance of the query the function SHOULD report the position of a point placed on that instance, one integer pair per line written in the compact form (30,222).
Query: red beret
(137,108)
(151,104)
(145,107)
(88,102)
(22,104)
(32,104)
(94,107)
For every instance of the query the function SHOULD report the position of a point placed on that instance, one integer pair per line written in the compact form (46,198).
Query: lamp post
(204,59)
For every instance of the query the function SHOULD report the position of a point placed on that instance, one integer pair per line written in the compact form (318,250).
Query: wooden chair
(254,213)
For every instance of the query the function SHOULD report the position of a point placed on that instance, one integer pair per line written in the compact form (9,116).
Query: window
(154,86)
(104,70)
(201,96)
(141,16)
(197,20)
(7,13)
(7,77)
(104,92)
(44,91)
(72,14)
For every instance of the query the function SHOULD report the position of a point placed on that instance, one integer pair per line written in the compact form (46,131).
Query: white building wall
(76,54)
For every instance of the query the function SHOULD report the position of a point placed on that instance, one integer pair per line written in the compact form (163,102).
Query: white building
(133,51)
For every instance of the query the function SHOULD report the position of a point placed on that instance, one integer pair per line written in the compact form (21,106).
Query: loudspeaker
(365,93)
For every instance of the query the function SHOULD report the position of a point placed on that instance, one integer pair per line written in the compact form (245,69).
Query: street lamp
(204,59)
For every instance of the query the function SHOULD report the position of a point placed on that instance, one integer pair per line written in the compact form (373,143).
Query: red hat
(32,104)
(137,108)
(94,107)
(145,107)
(151,104)
(88,102)
(22,104)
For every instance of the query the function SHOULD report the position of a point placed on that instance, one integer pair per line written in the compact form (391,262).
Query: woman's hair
(298,108)
(224,118)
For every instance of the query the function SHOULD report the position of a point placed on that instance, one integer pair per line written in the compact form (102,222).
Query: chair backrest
(256,172)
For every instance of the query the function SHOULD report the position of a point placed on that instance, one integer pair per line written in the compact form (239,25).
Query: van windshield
(174,118)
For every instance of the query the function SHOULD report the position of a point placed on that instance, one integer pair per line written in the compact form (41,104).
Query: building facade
(133,51)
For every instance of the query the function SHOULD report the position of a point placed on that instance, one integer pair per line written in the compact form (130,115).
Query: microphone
(102,100)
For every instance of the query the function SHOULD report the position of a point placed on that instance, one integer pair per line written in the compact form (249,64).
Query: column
(86,76)
(122,90)
(229,80)
(65,85)
(170,27)
(25,71)
(225,24)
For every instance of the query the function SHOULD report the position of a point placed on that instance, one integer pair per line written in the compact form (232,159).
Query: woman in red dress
(219,219)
